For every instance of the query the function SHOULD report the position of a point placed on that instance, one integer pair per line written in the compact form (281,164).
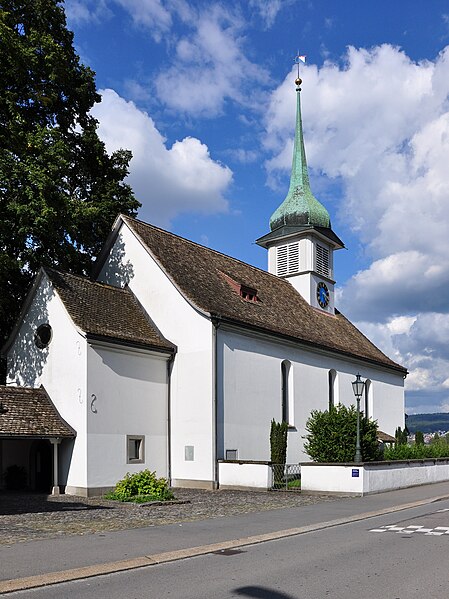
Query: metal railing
(285,477)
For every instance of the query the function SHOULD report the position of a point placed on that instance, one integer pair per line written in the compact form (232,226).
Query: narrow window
(287,392)
(323,260)
(367,398)
(333,388)
(135,449)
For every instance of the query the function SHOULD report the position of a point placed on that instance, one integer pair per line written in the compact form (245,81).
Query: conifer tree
(59,189)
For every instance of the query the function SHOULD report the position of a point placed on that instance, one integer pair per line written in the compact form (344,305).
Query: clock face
(322,294)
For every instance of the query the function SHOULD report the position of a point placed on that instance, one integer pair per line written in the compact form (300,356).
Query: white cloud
(79,12)
(210,66)
(168,181)
(151,14)
(379,126)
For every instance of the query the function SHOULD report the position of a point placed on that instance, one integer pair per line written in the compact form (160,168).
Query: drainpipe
(216,326)
(170,363)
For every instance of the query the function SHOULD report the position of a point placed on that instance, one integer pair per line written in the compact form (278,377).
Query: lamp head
(358,386)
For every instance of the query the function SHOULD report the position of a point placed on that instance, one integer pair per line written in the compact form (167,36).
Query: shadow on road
(261,593)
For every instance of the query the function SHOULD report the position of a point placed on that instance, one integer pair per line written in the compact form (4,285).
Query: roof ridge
(85,278)
(194,243)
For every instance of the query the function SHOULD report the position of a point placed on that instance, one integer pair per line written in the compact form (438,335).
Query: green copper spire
(300,207)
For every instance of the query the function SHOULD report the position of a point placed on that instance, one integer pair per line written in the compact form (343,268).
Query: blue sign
(355,473)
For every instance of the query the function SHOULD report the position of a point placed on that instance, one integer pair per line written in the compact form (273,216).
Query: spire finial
(299,58)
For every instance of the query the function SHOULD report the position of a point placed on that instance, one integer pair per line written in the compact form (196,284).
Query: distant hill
(428,423)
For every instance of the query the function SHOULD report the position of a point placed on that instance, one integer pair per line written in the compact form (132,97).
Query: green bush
(278,442)
(141,486)
(438,449)
(332,435)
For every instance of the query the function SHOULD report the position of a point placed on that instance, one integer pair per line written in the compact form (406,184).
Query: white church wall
(193,446)
(60,368)
(127,395)
(251,392)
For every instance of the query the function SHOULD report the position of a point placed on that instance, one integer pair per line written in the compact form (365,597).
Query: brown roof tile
(198,273)
(30,413)
(105,311)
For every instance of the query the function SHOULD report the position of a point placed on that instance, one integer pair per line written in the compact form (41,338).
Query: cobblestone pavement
(25,517)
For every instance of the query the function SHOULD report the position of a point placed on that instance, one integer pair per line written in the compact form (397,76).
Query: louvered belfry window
(287,259)
(322,261)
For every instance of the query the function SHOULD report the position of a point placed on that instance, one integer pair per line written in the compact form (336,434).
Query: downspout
(216,325)
(170,363)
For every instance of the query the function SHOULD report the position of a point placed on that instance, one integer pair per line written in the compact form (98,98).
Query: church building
(175,357)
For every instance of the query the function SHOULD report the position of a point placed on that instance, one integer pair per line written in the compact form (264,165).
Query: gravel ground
(26,517)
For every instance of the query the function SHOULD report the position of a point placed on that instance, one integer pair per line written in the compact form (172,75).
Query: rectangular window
(287,259)
(231,454)
(135,445)
(323,261)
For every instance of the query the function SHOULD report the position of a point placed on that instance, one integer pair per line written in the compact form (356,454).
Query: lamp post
(358,386)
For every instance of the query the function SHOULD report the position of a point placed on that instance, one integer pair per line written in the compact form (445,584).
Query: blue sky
(203,94)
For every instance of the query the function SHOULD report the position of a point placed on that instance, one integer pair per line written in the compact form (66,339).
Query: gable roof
(106,312)
(30,413)
(198,272)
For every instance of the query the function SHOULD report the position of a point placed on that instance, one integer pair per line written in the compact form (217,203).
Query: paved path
(72,557)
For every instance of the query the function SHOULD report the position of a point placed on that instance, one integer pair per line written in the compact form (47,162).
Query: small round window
(42,336)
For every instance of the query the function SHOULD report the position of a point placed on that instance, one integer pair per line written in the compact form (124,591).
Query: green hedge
(439,449)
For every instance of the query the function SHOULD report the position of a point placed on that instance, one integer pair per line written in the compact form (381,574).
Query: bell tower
(301,242)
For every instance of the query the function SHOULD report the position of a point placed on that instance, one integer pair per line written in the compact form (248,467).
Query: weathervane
(299,58)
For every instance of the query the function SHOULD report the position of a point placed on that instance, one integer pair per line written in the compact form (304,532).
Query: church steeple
(301,242)
(300,207)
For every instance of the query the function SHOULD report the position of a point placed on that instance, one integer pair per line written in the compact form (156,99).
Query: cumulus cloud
(168,181)
(209,65)
(378,125)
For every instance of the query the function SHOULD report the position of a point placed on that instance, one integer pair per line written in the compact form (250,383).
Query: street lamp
(357,386)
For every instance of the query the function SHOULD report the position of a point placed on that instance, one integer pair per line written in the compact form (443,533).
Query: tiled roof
(105,311)
(30,413)
(385,437)
(198,272)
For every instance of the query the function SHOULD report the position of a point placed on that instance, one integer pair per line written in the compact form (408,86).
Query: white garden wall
(371,477)
(244,475)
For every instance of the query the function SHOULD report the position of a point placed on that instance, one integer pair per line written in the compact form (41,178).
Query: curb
(41,580)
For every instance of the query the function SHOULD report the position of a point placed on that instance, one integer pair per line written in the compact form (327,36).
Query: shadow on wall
(27,360)
(119,272)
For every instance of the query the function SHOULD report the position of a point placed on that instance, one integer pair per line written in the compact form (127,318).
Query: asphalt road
(402,555)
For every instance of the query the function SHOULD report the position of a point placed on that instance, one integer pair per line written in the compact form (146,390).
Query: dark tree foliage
(419,438)
(278,442)
(331,435)
(59,189)
(401,436)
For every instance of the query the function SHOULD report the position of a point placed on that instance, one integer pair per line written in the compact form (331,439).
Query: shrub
(141,486)
(278,442)
(332,435)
